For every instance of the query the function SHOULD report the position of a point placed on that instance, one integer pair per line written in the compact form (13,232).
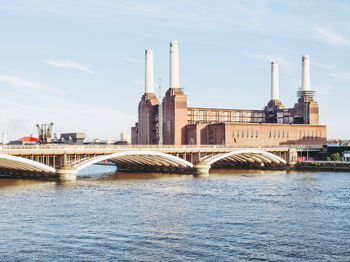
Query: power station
(275,125)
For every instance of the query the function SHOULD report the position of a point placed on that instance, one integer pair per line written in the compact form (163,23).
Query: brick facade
(275,125)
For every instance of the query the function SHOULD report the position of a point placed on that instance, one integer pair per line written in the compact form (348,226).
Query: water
(228,216)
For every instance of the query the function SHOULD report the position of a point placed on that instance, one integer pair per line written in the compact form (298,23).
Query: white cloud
(322,88)
(323,66)
(134,60)
(330,37)
(26,84)
(341,76)
(269,58)
(69,64)
(21,112)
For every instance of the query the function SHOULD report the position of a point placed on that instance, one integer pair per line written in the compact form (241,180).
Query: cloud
(21,112)
(25,84)
(269,58)
(134,60)
(340,76)
(330,37)
(322,88)
(69,64)
(320,65)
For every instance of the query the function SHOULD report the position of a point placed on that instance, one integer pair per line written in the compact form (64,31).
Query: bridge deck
(71,158)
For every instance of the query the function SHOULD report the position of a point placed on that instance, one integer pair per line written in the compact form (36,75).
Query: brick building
(183,125)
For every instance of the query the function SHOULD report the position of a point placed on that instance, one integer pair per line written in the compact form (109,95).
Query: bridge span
(64,161)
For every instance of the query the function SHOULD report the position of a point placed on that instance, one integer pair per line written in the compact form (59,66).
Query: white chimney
(274,81)
(149,81)
(174,65)
(4,138)
(305,85)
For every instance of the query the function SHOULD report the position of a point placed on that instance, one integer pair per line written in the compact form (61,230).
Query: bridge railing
(143,147)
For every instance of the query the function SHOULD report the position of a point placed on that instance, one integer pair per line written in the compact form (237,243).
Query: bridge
(65,161)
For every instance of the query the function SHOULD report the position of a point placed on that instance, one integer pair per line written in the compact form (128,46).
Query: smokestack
(149,81)
(274,81)
(174,65)
(305,85)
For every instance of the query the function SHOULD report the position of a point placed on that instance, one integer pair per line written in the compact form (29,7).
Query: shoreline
(321,166)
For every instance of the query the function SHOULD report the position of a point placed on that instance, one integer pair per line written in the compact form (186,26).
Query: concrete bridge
(64,161)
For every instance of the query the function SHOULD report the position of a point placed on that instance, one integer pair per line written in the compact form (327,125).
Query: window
(279,133)
(256,133)
(287,134)
(237,133)
(283,133)
(247,133)
(270,133)
(233,133)
(251,133)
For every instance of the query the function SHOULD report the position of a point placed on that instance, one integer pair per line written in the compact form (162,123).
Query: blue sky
(80,64)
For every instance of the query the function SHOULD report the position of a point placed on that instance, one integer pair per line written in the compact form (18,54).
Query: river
(231,215)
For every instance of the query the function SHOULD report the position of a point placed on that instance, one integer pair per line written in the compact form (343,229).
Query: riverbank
(322,165)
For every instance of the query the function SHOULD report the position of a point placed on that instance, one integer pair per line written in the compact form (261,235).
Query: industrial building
(71,138)
(178,124)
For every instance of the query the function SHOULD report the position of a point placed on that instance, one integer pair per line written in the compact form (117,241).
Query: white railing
(114,147)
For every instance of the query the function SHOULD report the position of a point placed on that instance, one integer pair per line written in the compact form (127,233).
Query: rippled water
(228,216)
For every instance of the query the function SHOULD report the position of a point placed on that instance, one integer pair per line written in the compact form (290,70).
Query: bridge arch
(152,159)
(23,164)
(246,156)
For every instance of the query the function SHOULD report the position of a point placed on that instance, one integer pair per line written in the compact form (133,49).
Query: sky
(80,64)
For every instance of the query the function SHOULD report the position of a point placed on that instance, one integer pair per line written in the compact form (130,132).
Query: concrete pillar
(67,173)
(174,65)
(149,74)
(305,85)
(201,169)
(274,81)
(292,156)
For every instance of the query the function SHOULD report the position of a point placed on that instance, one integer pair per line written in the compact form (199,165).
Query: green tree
(336,157)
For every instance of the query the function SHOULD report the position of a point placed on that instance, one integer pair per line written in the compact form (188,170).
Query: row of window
(245,133)
(275,133)
(219,113)
(279,133)
(310,134)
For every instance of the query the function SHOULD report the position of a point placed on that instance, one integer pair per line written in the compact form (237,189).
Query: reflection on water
(139,176)
(229,215)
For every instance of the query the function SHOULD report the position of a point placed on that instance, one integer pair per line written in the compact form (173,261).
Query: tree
(336,157)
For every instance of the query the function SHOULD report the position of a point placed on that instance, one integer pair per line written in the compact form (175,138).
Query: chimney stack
(149,81)
(305,84)
(274,81)
(174,65)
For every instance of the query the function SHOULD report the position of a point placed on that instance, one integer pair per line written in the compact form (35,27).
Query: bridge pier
(201,169)
(292,157)
(67,173)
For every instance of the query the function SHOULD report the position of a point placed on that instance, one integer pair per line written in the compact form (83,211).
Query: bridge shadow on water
(101,173)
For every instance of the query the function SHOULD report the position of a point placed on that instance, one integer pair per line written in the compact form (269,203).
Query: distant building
(28,140)
(124,139)
(275,125)
(347,156)
(72,138)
